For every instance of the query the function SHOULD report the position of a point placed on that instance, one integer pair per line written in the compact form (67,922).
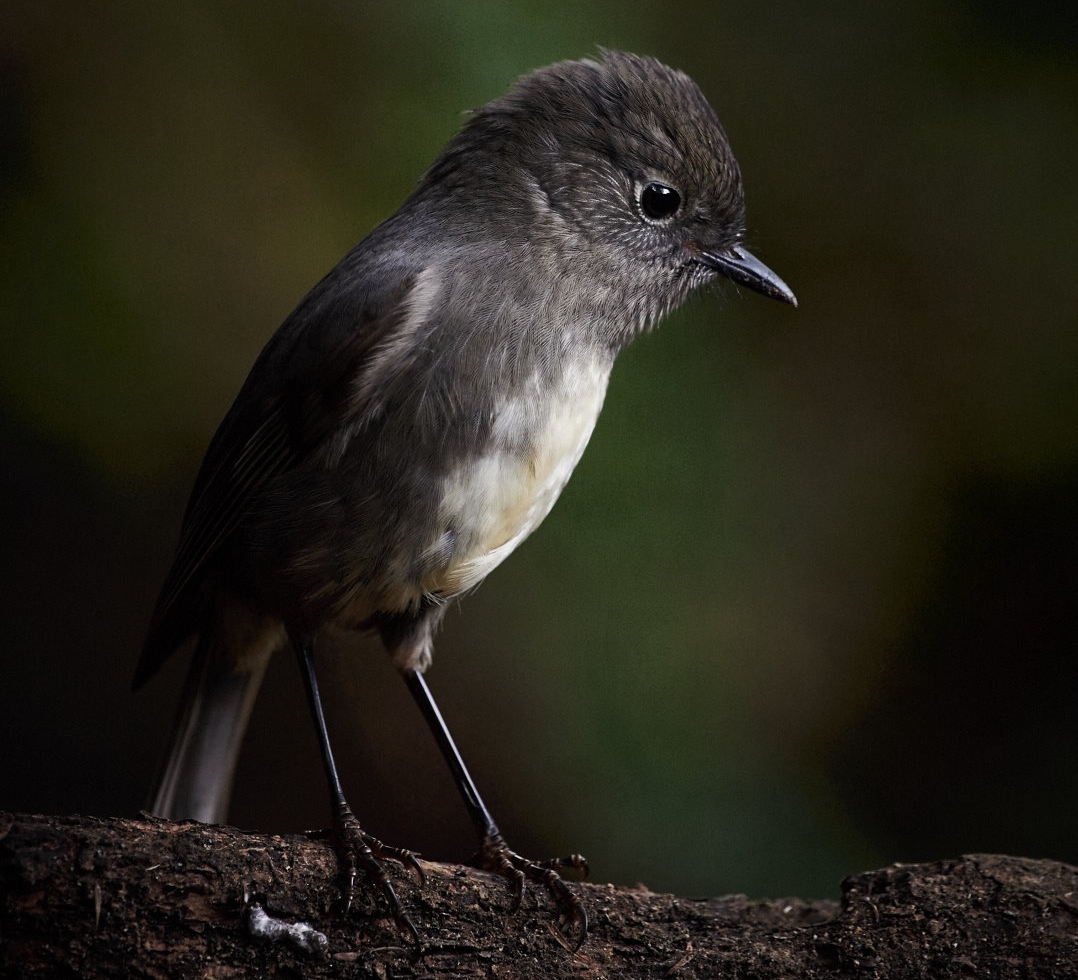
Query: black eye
(659,201)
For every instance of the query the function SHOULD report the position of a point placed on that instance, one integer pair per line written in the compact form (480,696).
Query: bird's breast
(493,500)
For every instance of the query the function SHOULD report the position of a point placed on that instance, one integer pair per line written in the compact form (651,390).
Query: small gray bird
(418,414)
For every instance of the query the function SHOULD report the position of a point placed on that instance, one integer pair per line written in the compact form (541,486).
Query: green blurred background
(810,603)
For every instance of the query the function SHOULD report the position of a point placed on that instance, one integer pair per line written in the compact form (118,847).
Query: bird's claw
(572,927)
(359,851)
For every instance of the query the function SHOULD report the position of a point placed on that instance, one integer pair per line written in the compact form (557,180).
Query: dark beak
(741,266)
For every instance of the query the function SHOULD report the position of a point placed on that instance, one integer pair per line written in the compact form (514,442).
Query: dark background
(810,603)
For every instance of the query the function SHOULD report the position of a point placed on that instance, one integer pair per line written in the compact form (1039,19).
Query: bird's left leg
(357,850)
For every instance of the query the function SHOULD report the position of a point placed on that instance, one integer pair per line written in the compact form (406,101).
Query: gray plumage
(418,413)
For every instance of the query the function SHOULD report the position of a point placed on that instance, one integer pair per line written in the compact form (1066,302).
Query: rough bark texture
(86,897)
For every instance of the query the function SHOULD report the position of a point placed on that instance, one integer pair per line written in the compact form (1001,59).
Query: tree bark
(89,897)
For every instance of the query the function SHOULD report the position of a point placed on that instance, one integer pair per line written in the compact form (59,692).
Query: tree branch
(88,897)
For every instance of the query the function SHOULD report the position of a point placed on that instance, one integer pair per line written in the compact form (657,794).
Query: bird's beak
(741,266)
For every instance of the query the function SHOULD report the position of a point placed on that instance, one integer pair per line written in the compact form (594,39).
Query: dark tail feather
(196,780)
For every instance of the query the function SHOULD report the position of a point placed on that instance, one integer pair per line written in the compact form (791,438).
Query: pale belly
(493,502)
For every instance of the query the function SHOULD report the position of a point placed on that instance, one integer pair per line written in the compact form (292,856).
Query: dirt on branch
(88,897)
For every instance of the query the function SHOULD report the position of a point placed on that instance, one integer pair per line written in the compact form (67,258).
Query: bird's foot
(495,855)
(358,851)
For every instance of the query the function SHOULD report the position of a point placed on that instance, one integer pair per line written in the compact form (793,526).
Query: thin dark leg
(477,809)
(305,653)
(494,854)
(356,849)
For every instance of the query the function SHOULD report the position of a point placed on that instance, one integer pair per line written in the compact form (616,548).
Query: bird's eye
(659,201)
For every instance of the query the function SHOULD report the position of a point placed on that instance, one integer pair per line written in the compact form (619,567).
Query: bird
(417,415)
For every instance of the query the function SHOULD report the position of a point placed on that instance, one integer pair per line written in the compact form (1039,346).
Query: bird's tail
(195,782)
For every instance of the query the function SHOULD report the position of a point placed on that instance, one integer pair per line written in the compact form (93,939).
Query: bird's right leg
(357,850)
(494,854)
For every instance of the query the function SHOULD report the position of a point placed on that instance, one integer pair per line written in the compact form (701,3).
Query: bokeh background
(810,603)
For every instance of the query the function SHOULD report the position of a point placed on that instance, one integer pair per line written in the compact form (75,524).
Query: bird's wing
(298,393)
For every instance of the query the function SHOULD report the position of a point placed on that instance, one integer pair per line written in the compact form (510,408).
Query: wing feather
(299,392)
